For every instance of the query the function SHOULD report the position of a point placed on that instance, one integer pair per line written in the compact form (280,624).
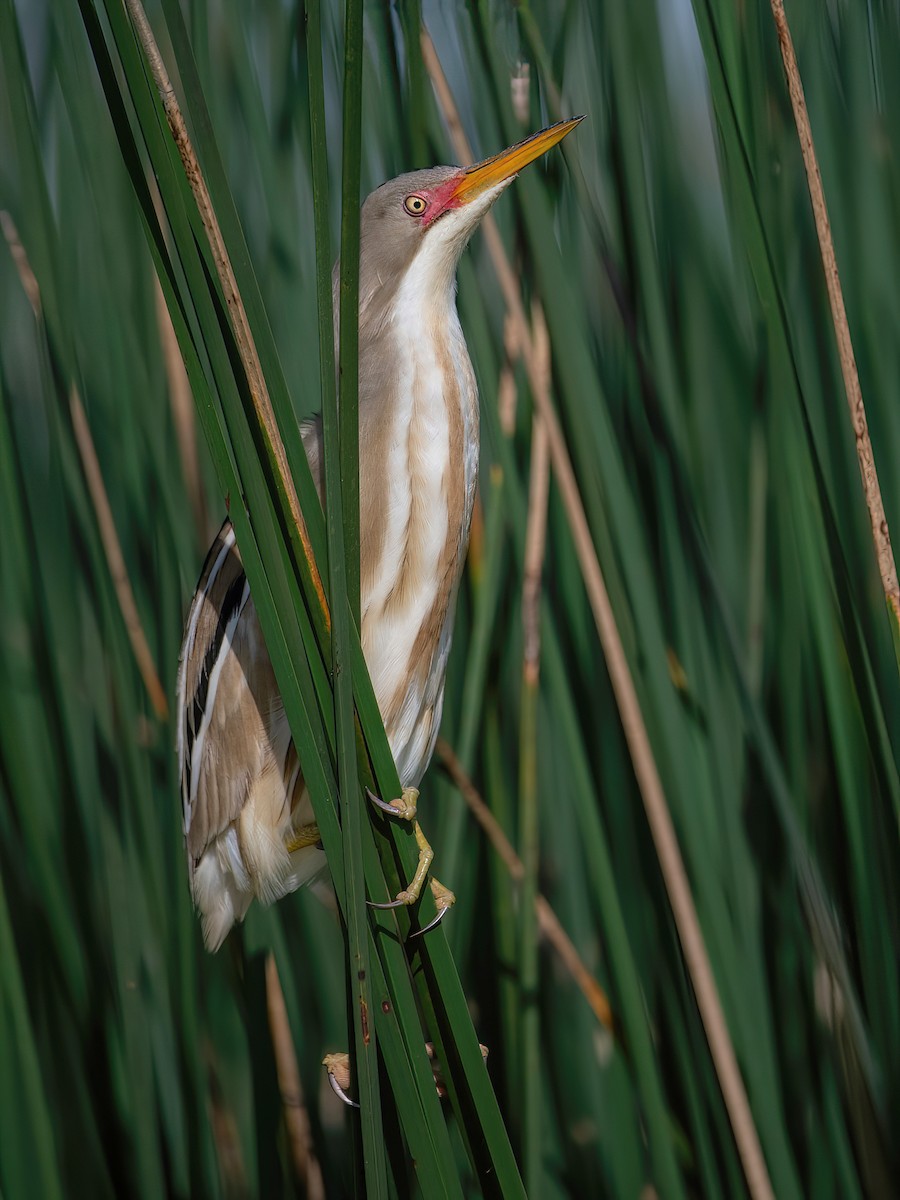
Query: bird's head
(426,218)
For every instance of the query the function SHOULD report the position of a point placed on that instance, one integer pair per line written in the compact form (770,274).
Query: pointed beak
(507,163)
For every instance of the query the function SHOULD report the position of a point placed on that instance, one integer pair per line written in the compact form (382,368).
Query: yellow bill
(493,170)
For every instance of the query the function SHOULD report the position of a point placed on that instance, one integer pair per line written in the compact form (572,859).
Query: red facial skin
(462,187)
(440,199)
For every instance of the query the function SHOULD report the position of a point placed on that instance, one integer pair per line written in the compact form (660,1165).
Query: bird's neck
(418,463)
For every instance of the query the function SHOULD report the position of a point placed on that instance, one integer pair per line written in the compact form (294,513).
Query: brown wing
(226,695)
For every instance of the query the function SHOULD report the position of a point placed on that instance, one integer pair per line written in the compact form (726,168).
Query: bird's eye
(415,205)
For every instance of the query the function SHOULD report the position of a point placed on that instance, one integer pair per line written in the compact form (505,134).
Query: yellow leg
(405,808)
(305,835)
(426,857)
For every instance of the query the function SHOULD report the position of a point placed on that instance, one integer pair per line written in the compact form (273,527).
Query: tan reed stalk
(646,773)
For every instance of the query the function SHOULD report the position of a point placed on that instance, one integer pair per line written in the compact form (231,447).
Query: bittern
(249,826)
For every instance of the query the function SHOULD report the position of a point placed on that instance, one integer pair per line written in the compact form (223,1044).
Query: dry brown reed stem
(536,530)
(243,334)
(90,464)
(112,548)
(27,277)
(548,922)
(507,393)
(646,773)
(223,1127)
(296,1118)
(183,415)
(880,533)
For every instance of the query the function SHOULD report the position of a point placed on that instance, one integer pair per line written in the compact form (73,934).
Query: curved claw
(382,804)
(402,901)
(340,1093)
(434,922)
(403,808)
(339,1064)
(444,899)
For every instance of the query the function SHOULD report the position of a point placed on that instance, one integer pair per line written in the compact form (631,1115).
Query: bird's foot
(411,893)
(404,808)
(338,1068)
(444,900)
(303,836)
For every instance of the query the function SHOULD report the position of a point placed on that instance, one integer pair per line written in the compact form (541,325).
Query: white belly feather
(419,483)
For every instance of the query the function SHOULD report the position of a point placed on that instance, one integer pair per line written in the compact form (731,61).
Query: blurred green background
(673,252)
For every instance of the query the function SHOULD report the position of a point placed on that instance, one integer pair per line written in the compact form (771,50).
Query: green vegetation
(671,247)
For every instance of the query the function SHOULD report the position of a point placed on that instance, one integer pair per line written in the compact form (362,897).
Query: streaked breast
(428,454)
